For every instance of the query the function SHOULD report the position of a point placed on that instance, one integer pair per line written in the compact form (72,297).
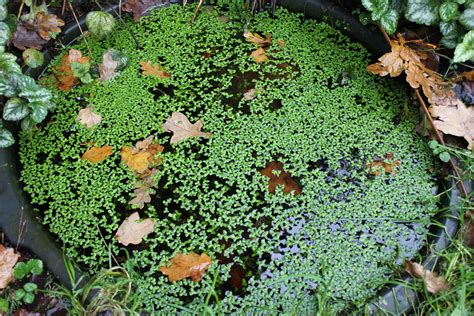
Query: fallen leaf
(278,176)
(258,40)
(189,265)
(380,166)
(434,284)
(132,231)
(153,70)
(140,7)
(281,43)
(46,24)
(24,38)
(142,196)
(64,73)
(108,67)
(88,118)
(97,154)
(259,55)
(136,161)
(390,63)
(8,259)
(250,95)
(182,129)
(469,229)
(455,120)
(468,75)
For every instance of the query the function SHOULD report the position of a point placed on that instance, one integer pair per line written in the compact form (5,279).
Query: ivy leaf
(448,11)
(154,70)
(140,7)
(8,259)
(465,50)
(182,129)
(467,19)
(423,11)
(38,111)
(108,67)
(15,109)
(455,120)
(278,176)
(97,154)
(6,137)
(88,118)
(47,24)
(132,231)
(189,265)
(434,284)
(24,38)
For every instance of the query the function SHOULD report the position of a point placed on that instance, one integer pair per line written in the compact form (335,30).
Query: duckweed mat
(316,110)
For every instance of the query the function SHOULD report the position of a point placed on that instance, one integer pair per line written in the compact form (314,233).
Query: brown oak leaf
(259,55)
(132,230)
(434,284)
(46,24)
(189,265)
(108,67)
(258,40)
(278,176)
(141,157)
(8,259)
(182,129)
(154,70)
(88,118)
(97,154)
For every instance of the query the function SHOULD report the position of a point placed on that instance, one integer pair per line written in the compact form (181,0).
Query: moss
(317,111)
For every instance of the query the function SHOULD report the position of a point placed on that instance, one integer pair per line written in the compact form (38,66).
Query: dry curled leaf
(88,118)
(24,38)
(182,129)
(259,55)
(97,154)
(108,67)
(278,176)
(434,284)
(132,230)
(455,120)
(46,24)
(154,70)
(8,259)
(258,40)
(189,265)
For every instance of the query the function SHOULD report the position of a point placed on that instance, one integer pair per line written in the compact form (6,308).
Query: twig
(437,132)
(197,10)
(79,25)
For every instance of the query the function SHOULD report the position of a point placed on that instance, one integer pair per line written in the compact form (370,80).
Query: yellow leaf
(97,154)
(256,39)
(189,265)
(136,161)
(259,55)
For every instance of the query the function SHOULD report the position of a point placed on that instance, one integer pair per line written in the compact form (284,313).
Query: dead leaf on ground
(97,154)
(182,129)
(384,166)
(64,73)
(154,70)
(88,118)
(259,55)
(250,94)
(189,265)
(8,259)
(278,176)
(258,40)
(132,230)
(24,38)
(108,67)
(142,196)
(455,120)
(434,284)
(141,157)
(140,7)
(46,24)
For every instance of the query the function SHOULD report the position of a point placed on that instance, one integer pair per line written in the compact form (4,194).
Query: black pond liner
(18,220)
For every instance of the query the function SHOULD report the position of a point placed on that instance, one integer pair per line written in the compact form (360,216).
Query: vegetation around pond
(309,179)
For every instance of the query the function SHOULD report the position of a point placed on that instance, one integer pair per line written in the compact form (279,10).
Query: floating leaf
(88,118)
(259,55)
(108,67)
(97,154)
(8,259)
(278,176)
(434,284)
(387,166)
(189,265)
(142,196)
(258,40)
(142,156)
(250,94)
(182,129)
(132,231)
(153,70)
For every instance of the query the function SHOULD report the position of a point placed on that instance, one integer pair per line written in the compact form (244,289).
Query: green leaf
(389,21)
(37,94)
(38,111)
(120,57)
(35,266)
(423,11)
(30,287)
(33,57)
(467,19)
(100,23)
(21,270)
(465,50)
(444,156)
(19,294)
(365,18)
(15,109)
(26,84)
(4,305)
(433,144)
(377,7)
(448,11)
(8,64)
(5,33)
(29,298)
(80,70)
(6,137)
(452,32)
(3,11)
(28,123)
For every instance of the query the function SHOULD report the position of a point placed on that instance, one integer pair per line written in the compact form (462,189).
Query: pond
(307,177)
